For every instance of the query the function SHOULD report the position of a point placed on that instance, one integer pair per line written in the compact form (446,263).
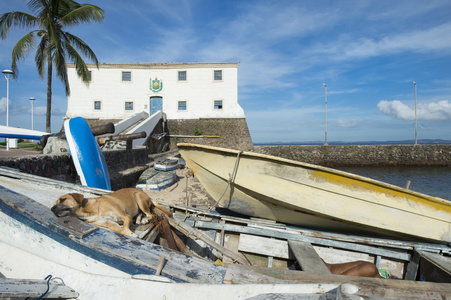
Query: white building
(181,90)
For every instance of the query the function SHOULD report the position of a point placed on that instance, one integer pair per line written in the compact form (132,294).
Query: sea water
(433,181)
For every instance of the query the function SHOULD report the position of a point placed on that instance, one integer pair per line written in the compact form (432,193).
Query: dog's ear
(78,197)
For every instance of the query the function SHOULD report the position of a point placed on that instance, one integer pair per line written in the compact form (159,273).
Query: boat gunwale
(317,167)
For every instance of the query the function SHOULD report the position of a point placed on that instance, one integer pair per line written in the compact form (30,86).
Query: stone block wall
(125,166)
(367,155)
(233,133)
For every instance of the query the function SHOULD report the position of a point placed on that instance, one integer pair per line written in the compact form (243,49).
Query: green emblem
(156,85)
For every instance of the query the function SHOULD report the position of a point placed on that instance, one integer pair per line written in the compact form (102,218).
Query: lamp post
(32,99)
(415,84)
(325,133)
(8,74)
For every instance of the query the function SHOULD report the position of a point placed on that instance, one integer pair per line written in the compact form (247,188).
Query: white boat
(21,133)
(166,163)
(100,264)
(317,197)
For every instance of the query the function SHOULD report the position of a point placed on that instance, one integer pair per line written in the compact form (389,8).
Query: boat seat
(307,257)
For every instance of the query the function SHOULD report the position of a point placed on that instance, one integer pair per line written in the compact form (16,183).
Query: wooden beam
(22,288)
(412,266)
(196,234)
(307,257)
(264,246)
(313,240)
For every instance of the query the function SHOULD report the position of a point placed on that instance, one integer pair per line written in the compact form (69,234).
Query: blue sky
(367,52)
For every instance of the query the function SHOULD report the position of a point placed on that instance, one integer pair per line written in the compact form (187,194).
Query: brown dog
(109,210)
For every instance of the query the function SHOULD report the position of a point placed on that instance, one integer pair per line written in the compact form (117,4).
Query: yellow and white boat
(316,197)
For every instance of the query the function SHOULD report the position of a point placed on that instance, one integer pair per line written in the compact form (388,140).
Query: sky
(368,53)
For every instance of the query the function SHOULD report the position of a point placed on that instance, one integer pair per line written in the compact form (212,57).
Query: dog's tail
(163,209)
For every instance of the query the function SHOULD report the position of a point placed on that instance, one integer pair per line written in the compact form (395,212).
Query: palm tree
(55,45)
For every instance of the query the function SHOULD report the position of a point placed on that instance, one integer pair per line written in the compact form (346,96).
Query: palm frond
(82,47)
(15,18)
(80,65)
(84,14)
(21,49)
(42,54)
(58,57)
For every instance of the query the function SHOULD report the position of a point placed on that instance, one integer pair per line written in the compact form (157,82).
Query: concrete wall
(371,155)
(200,90)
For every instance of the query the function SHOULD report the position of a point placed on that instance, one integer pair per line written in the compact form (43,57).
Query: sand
(192,195)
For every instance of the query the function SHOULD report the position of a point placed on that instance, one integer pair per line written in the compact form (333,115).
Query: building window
(182,76)
(218,104)
(126,76)
(128,105)
(218,75)
(97,105)
(89,75)
(182,105)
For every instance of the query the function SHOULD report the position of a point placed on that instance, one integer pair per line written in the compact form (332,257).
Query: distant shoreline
(338,143)
(363,155)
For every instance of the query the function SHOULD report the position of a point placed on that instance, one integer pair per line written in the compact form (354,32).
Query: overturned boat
(317,197)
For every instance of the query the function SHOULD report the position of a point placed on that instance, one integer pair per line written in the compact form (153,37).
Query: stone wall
(368,155)
(125,166)
(233,133)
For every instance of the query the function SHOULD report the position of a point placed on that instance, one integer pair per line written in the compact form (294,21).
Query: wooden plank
(412,267)
(264,246)
(231,242)
(369,288)
(396,244)
(442,262)
(21,288)
(296,236)
(194,233)
(307,257)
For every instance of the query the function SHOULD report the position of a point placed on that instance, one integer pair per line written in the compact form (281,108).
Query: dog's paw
(138,219)
(144,221)
(130,233)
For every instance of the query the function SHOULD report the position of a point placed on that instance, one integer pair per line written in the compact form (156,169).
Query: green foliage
(55,43)
(197,132)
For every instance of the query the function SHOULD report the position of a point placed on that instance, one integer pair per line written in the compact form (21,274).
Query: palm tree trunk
(49,96)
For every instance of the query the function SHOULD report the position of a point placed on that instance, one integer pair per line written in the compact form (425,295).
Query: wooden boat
(152,179)
(316,197)
(100,264)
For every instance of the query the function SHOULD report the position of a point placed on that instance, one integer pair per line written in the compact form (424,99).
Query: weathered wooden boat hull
(100,264)
(317,197)
(32,254)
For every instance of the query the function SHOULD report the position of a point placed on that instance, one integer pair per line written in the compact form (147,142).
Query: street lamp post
(32,99)
(8,74)
(325,133)
(415,84)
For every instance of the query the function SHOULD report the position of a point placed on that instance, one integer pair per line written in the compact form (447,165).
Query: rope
(231,179)
(48,286)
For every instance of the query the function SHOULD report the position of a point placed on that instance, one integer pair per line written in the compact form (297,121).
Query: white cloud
(420,41)
(433,111)
(346,123)
(3,104)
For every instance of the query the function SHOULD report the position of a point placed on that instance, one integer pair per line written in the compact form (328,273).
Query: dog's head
(67,204)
